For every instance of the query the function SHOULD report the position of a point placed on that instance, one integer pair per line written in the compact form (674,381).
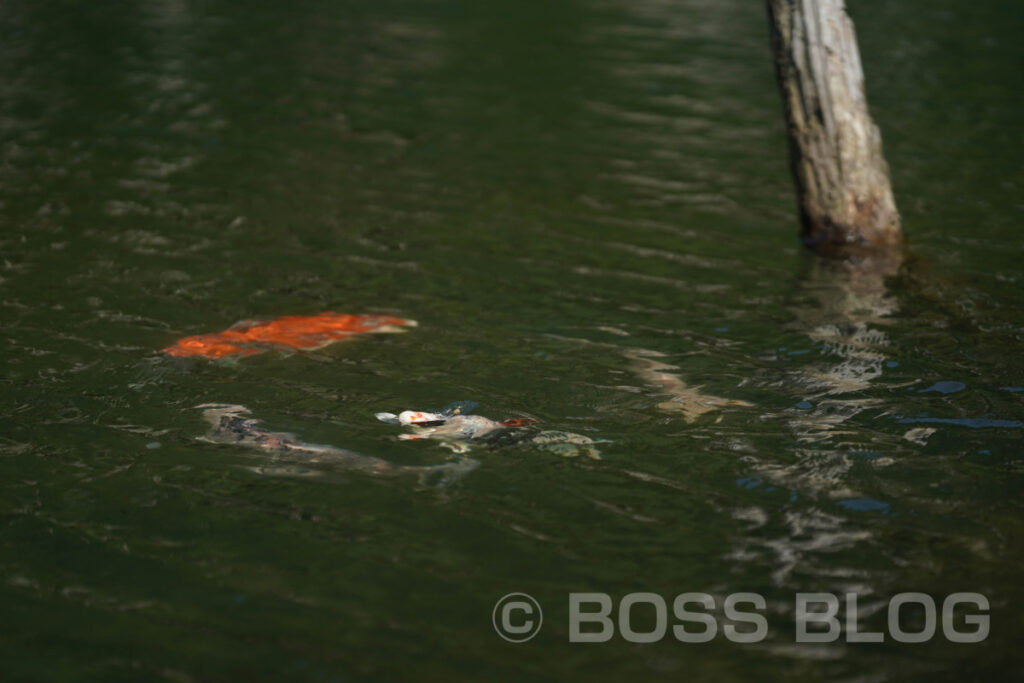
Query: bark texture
(835,148)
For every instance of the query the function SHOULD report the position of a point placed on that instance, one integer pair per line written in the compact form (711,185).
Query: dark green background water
(547,188)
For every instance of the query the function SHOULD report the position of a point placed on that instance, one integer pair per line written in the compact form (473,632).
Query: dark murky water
(586,206)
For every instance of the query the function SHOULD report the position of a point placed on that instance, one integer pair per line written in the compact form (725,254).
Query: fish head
(420,418)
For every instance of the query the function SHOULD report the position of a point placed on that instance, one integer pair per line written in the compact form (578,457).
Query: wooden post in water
(836,157)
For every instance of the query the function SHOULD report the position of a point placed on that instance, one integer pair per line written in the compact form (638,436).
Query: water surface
(586,205)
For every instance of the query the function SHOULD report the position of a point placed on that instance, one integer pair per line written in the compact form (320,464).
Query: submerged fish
(459,432)
(289,455)
(302,332)
(690,402)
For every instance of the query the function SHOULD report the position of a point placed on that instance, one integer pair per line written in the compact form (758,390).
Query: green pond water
(586,205)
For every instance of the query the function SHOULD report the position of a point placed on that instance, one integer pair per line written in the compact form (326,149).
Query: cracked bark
(842,179)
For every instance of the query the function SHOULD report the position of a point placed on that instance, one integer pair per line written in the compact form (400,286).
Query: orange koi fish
(303,332)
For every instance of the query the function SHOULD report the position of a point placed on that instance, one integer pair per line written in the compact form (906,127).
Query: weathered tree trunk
(835,149)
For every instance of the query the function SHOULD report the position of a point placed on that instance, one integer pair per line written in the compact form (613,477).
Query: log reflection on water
(843,307)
